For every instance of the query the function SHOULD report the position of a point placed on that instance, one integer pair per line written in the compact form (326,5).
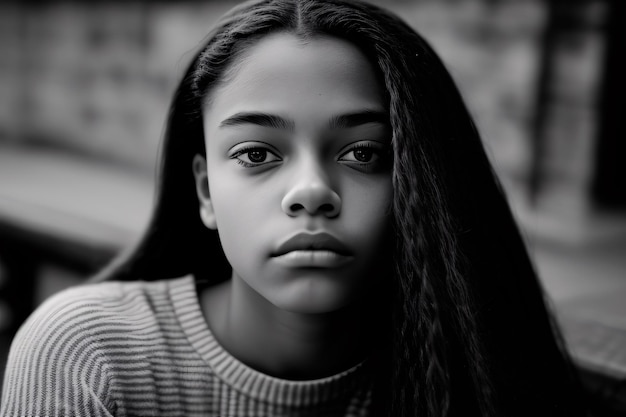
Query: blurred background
(84,92)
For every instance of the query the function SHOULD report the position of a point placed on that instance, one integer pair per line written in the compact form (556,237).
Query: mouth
(319,250)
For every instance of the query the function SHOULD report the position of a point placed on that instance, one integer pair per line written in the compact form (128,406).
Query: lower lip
(313,259)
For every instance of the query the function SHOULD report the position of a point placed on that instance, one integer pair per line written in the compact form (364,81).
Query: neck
(286,344)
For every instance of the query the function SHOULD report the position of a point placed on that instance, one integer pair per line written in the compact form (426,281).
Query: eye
(363,154)
(254,156)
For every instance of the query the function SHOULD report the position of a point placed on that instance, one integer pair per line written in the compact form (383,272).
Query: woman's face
(298,163)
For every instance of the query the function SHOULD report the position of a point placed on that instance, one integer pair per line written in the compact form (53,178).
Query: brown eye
(363,154)
(257,155)
(368,156)
(254,156)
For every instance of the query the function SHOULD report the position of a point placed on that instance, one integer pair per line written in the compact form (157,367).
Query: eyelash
(358,165)
(363,145)
(249,149)
(380,151)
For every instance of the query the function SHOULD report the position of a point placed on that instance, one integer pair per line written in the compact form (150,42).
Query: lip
(311,242)
(321,250)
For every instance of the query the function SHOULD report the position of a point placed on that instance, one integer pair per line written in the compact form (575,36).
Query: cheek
(241,212)
(368,201)
(242,205)
(238,234)
(367,211)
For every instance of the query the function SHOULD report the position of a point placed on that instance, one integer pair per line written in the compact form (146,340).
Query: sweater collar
(250,382)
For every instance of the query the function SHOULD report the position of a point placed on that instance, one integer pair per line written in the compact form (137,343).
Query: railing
(24,251)
(64,211)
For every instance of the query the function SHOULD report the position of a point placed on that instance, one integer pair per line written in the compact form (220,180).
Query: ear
(202,189)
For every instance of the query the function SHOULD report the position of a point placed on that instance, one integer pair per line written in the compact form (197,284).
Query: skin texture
(297,310)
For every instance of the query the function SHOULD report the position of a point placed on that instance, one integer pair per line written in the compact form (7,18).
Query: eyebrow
(359,118)
(342,121)
(257,118)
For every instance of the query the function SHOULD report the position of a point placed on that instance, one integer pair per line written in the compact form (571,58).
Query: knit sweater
(144,349)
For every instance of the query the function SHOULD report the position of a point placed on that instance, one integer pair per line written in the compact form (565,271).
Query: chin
(312,297)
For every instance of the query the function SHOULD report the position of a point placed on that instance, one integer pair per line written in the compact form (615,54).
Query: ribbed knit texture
(144,349)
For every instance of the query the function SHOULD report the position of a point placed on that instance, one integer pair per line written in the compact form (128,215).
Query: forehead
(283,68)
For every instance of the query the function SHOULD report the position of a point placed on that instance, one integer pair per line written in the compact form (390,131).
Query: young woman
(328,239)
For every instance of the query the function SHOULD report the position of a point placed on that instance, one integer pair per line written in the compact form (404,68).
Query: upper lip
(311,241)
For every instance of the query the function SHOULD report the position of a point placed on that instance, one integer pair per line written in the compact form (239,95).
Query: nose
(311,194)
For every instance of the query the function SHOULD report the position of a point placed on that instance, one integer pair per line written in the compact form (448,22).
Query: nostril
(296,207)
(313,200)
(327,208)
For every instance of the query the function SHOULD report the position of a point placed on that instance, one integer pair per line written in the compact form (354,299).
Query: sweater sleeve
(55,366)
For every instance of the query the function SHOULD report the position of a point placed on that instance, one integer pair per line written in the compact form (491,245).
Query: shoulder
(88,301)
(89,313)
(71,344)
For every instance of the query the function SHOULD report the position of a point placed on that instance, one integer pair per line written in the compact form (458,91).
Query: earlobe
(207,215)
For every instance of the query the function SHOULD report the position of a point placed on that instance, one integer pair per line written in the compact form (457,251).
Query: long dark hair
(468,330)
